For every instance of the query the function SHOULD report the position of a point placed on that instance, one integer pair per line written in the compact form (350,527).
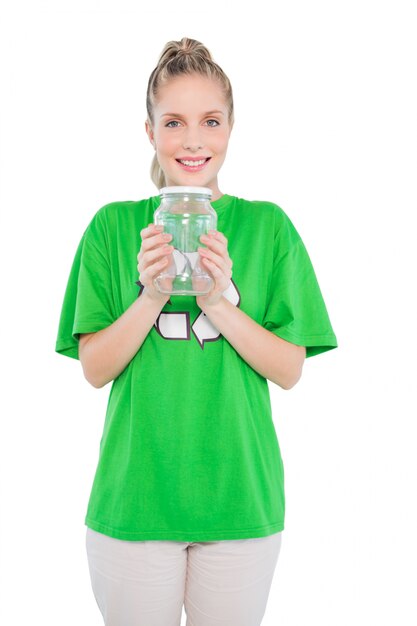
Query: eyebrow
(179,114)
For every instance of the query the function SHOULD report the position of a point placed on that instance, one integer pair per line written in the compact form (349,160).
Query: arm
(274,358)
(105,353)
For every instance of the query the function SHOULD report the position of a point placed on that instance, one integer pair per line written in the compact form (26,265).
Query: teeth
(193,163)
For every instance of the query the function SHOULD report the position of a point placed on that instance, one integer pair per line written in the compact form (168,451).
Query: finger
(218,235)
(155,240)
(221,280)
(152,268)
(207,253)
(218,243)
(213,268)
(150,256)
(156,268)
(222,260)
(151,230)
(210,262)
(210,245)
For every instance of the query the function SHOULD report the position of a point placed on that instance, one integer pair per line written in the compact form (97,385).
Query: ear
(149,132)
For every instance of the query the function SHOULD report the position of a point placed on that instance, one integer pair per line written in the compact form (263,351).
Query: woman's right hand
(155,256)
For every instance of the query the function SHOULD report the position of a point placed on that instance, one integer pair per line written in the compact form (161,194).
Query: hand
(155,256)
(216,261)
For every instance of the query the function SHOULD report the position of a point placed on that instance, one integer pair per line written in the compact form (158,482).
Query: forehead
(190,94)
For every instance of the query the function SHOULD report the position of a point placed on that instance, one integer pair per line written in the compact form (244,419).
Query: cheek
(220,142)
(166,142)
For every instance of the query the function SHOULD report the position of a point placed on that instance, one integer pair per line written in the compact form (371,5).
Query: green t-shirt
(189,450)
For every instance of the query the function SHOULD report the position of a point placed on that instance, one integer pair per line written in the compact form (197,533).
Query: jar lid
(186,189)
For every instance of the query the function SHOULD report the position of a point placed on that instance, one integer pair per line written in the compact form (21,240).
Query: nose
(192,140)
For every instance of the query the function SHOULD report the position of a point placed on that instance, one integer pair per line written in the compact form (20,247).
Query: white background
(325,107)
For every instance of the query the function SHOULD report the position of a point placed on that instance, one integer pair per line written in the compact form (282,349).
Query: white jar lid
(184,189)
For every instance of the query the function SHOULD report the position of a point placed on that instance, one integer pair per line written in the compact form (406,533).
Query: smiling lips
(186,164)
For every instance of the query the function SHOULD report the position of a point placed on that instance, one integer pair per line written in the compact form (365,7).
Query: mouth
(193,165)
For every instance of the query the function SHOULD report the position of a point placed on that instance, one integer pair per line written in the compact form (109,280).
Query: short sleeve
(88,302)
(296,310)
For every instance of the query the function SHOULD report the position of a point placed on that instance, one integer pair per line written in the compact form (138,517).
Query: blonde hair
(185,57)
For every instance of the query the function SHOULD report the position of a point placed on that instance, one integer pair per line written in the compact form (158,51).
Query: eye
(176,122)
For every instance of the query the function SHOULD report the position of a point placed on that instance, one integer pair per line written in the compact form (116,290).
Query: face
(186,127)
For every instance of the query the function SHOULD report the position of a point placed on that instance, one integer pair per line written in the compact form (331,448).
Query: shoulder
(114,209)
(267,207)
(112,214)
(280,221)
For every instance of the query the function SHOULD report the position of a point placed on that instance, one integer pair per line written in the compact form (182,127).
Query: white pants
(146,583)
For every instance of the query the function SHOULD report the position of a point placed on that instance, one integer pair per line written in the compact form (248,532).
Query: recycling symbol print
(176,325)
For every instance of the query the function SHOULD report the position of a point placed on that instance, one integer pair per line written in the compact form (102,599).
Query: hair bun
(185,48)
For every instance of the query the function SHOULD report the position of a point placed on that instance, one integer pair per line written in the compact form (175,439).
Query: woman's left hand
(216,261)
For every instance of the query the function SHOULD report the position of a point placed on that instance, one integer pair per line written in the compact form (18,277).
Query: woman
(187,505)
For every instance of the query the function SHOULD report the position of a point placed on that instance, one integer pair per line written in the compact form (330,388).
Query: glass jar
(185,213)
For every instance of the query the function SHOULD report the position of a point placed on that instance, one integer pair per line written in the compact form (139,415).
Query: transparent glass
(185,213)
